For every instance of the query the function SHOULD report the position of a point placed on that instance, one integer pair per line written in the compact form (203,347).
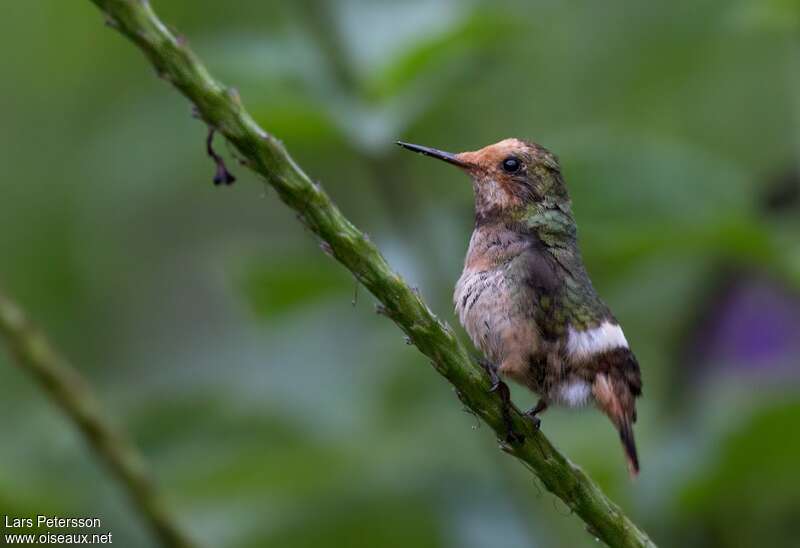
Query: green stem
(221,108)
(33,353)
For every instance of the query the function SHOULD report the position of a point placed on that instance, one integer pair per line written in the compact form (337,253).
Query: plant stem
(222,109)
(33,353)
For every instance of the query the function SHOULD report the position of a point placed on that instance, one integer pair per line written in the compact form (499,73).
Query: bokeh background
(275,407)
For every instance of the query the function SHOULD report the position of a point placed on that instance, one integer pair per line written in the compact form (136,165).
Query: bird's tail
(615,399)
(629,444)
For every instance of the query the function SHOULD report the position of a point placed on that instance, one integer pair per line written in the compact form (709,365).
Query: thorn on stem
(505,447)
(163,74)
(233,152)
(222,176)
(592,531)
(556,500)
(468,410)
(233,93)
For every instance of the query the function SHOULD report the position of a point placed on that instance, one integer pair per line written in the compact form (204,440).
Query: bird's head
(509,177)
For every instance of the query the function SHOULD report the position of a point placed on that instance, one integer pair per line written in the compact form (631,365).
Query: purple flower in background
(753,325)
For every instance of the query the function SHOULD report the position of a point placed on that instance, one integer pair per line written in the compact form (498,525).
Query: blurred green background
(277,413)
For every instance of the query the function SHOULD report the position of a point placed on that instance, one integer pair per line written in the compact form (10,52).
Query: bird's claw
(536,421)
(491,370)
(534,411)
(512,438)
(497,385)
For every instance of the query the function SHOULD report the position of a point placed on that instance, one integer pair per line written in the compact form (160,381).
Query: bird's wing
(537,277)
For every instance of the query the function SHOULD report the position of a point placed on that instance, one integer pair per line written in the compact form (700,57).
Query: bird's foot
(503,391)
(534,411)
(512,438)
(536,421)
(491,370)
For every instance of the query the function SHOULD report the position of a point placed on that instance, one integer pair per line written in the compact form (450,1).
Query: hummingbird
(525,298)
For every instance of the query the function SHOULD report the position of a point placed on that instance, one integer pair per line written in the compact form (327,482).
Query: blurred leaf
(276,287)
(750,494)
(767,15)
(465,36)
(401,84)
(364,522)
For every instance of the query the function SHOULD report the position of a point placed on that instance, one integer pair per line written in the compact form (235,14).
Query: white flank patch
(575,394)
(585,344)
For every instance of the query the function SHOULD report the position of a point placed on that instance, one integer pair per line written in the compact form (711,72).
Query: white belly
(573,393)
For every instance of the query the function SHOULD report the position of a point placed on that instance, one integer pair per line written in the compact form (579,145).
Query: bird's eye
(511,165)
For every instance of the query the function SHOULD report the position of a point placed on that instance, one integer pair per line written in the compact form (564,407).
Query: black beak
(435,153)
